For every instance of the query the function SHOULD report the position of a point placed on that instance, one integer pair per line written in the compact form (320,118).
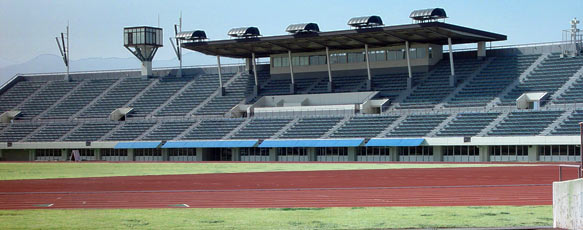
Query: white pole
(367,61)
(410,79)
(219,70)
(68,51)
(291,67)
(451,78)
(328,62)
(254,68)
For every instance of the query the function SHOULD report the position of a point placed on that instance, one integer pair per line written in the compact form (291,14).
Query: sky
(29,27)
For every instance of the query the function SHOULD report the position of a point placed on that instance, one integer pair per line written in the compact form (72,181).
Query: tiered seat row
(79,99)
(417,125)
(570,126)
(116,97)
(549,76)
(52,132)
(491,81)
(213,129)
(168,130)
(436,87)
(468,124)
(525,123)
(311,127)
(131,130)
(91,131)
(54,91)
(17,131)
(262,128)
(191,97)
(234,94)
(364,126)
(18,93)
(157,95)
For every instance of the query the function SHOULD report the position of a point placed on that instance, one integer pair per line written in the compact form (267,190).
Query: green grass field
(301,218)
(19,171)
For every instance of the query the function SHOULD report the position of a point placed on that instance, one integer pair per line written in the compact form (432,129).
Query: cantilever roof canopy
(431,32)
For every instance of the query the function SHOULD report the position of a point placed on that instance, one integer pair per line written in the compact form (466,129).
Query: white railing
(512,46)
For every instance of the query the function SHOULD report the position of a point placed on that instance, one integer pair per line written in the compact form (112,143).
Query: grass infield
(286,218)
(46,170)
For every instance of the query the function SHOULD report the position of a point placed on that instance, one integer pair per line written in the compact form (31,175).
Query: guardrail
(579,170)
(512,46)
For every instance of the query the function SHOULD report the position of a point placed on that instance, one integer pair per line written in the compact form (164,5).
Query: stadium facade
(371,93)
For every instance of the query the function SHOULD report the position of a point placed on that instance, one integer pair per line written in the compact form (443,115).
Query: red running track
(525,185)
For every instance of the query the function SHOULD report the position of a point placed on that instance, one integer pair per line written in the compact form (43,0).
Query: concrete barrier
(568,204)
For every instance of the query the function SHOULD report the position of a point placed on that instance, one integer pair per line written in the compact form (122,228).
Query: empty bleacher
(17,94)
(468,124)
(17,131)
(91,131)
(491,81)
(79,99)
(311,127)
(192,96)
(549,76)
(52,132)
(525,123)
(417,125)
(364,126)
(213,129)
(116,97)
(391,85)
(436,86)
(157,95)
(168,130)
(54,91)
(574,94)
(570,126)
(262,128)
(234,94)
(130,130)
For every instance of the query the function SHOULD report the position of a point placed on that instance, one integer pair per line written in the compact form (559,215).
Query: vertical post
(292,88)
(369,81)
(410,78)
(256,87)
(221,88)
(581,150)
(452,76)
(330,86)
(68,53)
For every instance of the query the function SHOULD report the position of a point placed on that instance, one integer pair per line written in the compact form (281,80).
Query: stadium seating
(417,125)
(52,132)
(490,82)
(79,99)
(53,91)
(131,130)
(91,131)
(213,129)
(468,124)
(549,76)
(364,126)
(17,131)
(157,95)
(436,87)
(311,127)
(526,123)
(570,126)
(168,130)
(234,94)
(116,97)
(191,97)
(262,128)
(18,93)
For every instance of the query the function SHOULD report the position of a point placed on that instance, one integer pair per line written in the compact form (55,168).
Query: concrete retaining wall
(568,204)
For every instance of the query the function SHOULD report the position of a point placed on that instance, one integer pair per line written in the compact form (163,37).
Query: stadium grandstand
(370,93)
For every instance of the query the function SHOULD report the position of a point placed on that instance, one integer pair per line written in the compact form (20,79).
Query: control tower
(143,42)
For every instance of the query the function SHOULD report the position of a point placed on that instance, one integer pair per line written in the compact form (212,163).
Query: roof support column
(452,76)
(410,78)
(369,81)
(481,50)
(256,86)
(292,87)
(221,88)
(330,85)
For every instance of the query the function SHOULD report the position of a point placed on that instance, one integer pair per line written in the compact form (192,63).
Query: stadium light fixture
(64,49)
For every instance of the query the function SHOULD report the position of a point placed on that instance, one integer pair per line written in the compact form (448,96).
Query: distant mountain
(48,63)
